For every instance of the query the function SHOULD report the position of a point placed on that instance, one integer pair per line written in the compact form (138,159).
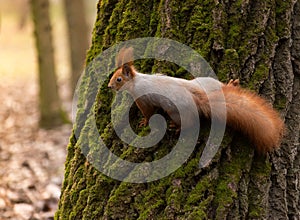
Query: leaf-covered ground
(31,159)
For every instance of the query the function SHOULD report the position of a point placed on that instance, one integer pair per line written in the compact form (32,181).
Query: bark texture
(50,107)
(255,41)
(78,37)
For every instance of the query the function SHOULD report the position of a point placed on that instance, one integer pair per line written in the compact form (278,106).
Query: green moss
(175,197)
(154,19)
(236,21)
(133,23)
(200,198)
(260,181)
(282,19)
(197,194)
(246,30)
(80,205)
(95,203)
(231,172)
(103,16)
(198,30)
(152,201)
(280,102)
(102,108)
(229,65)
(260,74)
(151,210)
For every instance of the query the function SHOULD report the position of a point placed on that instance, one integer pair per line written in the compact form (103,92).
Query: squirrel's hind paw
(172,124)
(233,82)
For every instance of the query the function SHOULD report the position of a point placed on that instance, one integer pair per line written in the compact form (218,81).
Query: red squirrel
(245,111)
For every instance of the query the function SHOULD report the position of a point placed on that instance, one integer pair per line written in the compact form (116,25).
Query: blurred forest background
(32,157)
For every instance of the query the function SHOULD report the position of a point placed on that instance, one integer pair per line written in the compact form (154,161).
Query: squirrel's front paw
(143,122)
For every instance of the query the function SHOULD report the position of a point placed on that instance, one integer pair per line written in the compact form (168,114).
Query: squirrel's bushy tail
(248,113)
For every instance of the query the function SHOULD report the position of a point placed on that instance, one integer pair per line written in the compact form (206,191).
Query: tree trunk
(255,41)
(78,37)
(50,107)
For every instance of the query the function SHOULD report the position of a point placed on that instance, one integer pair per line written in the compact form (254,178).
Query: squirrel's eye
(119,79)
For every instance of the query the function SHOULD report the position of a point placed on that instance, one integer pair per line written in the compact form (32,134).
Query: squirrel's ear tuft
(125,56)
(127,70)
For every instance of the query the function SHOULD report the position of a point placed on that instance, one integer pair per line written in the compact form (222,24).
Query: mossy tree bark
(51,113)
(255,41)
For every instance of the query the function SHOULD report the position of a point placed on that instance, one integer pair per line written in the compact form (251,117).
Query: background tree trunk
(255,41)
(78,33)
(50,107)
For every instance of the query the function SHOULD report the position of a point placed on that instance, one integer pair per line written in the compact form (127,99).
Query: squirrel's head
(122,75)
(125,71)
